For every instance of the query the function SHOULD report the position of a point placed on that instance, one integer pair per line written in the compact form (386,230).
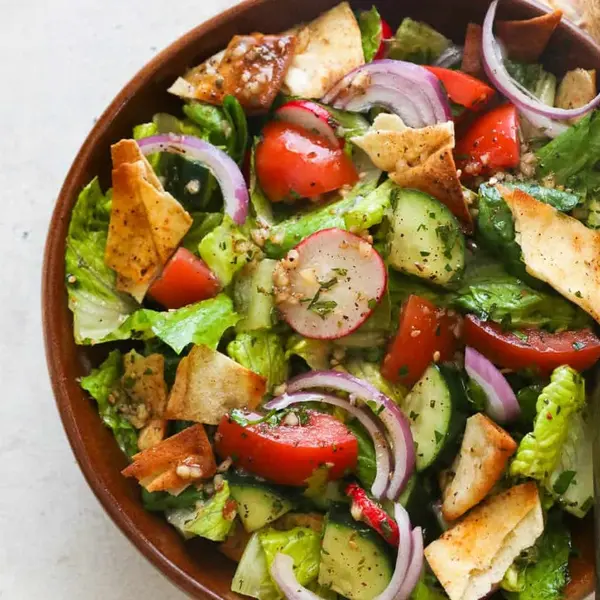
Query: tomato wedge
(386,33)
(533,347)
(464,89)
(491,143)
(289,454)
(185,279)
(293,163)
(364,509)
(426,334)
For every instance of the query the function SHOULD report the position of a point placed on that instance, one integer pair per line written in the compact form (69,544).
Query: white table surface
(61,62)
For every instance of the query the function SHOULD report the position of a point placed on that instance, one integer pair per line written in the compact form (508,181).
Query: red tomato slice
(491,143)
(539,349)
(425,330)
(464,89)
(386,34)
(293,163)
(185,279)
(289,454)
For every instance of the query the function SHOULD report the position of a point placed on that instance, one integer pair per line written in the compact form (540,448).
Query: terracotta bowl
(197,567)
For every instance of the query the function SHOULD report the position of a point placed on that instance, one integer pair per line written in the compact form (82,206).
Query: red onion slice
(413,573)
(546,126)
(382,450)
(403,558)
(502,404)
(222,166)
(395,422)
(408,90)
(282,572)
(518,95)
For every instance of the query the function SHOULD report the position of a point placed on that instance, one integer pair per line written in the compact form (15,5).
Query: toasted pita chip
(526,40)
(473,556)
(144,380)
(557,249)
(471,61)
(483,456)
(152,434)
(252,69)
(156,467)
(328,48)
(209,384)
(418,158)
(146,223)
(577,88)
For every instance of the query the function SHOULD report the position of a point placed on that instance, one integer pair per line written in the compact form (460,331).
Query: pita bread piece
(471,61)
(146,223)
(175,463)
(209,384)
(327,49)
(252,69)
(474,555)
(418,158)
(557,249)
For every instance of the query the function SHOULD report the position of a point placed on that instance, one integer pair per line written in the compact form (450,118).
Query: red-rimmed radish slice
(312,117)
(329,284)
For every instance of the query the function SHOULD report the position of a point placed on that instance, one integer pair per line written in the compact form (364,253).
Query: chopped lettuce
(202,225)
(239,126)
(371,372)
(540,450)
(98,308)
(316,353)
(572,480)
(252,576)
(205,519)
(263,353)
(492,294)
(301,543)
(560,199)
(366,468)
(427,588)
(369,210)
(145,130)
(543,573)
(100,384)
(401,286)
(417,42)
(369,22)
(261,205)
(161,501)
(212,121)
(286,234)
(226,250)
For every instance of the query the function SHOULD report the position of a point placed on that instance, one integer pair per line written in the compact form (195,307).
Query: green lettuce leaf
(366,468)
(417,42)
(539,451)
(237,122)
(301,543)
(371,372)
(263,353)
(100,384)
(226,250)
(212,121)
(369,210)
(369,22)
(427,588)
(161,501)
(544,573)
(252,576)
(98,308)
(202,225)
(560,199)
(253,295)
(316,353)
(205,519)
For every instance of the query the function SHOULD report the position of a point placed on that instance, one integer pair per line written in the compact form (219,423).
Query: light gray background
(61,62)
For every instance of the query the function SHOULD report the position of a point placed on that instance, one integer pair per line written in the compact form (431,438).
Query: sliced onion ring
(223,167)
(502,404)
(395,422)
(382,450)
(546,126)
(282,572)
(517,94)
(413,573)
(408,90)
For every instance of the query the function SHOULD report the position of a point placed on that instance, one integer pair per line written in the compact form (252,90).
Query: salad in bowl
(349,300)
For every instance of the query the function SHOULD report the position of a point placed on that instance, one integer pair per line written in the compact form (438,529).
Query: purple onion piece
(282,572)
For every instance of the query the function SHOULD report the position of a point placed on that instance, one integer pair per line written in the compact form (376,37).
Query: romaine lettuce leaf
(417,42)
(301,543)
(316,353)
(239,126)
(203,224)
(252,576)
(226,250)
(253,295)
(211,120)
(369,22)
(98,308)
(263,353)
(100,384)
(539,451)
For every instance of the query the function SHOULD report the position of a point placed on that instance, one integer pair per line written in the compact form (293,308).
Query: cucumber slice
(354,560)
(258,503)
(433,408)
(426,239)
(253,296)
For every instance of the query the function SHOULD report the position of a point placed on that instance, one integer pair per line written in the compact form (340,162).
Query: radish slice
(312,117)
(329,284)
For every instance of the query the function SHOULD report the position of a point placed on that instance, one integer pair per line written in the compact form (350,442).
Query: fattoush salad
(350,300)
